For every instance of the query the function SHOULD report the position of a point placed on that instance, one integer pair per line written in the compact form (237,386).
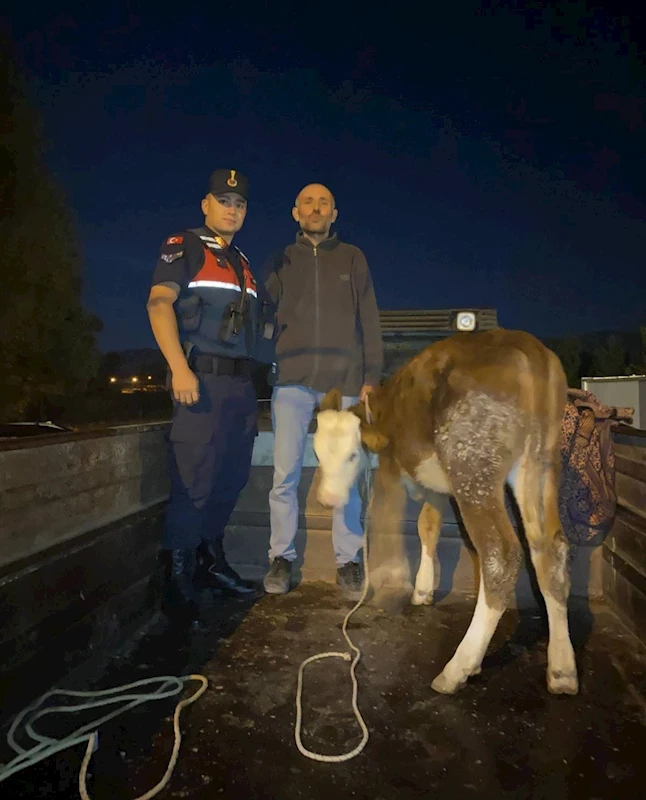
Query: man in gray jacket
(328,336)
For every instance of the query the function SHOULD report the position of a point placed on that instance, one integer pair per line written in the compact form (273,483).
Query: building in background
(621,391)
(406,333)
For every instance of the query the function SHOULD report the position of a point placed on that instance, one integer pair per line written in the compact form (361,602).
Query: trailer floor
(502,736)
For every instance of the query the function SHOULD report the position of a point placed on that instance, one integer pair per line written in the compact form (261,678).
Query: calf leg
(388,563)
(549,548)
(429,524)
(499,552)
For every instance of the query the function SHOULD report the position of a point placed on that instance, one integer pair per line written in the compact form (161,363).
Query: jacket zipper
(317,322)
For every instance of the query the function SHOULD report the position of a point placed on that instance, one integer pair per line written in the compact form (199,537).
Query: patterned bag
(587,499)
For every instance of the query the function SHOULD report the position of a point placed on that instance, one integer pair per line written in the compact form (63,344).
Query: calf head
(338,442)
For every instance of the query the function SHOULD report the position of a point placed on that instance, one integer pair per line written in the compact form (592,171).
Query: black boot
(181,597)
(214,572)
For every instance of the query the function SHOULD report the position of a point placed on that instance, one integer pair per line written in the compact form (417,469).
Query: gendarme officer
(208,321)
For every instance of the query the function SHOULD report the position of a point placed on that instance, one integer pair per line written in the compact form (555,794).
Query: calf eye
(353,457)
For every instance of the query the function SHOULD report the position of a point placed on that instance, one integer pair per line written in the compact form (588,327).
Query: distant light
(150,377)
(135,380)
(466,321)
(113,380)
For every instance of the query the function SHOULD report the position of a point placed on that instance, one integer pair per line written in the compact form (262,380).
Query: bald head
(315,190)
(315,211)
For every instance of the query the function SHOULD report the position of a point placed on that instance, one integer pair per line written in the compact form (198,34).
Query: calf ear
(372,439)
(332,401)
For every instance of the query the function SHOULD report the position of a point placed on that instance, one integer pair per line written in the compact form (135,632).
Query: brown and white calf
(463,418)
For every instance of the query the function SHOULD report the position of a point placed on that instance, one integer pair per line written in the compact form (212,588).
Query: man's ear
(332,401)
(373,439)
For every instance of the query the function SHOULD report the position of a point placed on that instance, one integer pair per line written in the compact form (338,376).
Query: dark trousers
(210,447)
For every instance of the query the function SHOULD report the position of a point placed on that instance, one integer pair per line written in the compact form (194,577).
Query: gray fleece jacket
(328,333)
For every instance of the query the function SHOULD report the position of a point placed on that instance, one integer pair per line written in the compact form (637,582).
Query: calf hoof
(392,576)
(420,598)
(390,601)
(562,683)
(445,685)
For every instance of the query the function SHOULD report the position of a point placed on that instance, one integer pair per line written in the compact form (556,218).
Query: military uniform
(221,321)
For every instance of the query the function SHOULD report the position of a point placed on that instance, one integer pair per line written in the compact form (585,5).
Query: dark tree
(611,359)
(47,339)
(569,351)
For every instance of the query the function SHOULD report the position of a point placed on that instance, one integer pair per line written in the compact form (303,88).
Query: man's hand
(365,391)
(186,387)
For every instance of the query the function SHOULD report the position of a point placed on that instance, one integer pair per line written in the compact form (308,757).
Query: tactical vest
(218,312)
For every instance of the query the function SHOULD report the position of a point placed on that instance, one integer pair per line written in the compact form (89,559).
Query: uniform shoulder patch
(170,257)
(175,240)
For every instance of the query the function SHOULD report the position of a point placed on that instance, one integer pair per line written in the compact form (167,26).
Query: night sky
(489,158)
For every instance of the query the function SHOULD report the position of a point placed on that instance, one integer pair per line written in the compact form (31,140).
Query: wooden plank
(628,431)
(608,577)
(629,544)
(85,645)
(52,593)
(631,493)
(630,451)
(632,467)
(46,440)
(628,600)
(634,521)
(626,570)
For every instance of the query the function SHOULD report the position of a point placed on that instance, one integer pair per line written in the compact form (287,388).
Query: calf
(462,418)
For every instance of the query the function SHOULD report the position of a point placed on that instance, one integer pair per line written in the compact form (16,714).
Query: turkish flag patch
(175,240)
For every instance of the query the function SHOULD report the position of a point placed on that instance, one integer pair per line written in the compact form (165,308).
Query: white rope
(174,755)
(345,656)
(366,402)
(48,746)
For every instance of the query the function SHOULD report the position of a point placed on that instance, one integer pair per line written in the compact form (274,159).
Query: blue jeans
(292,408)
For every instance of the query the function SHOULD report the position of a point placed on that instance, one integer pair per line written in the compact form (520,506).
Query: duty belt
(219,365)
